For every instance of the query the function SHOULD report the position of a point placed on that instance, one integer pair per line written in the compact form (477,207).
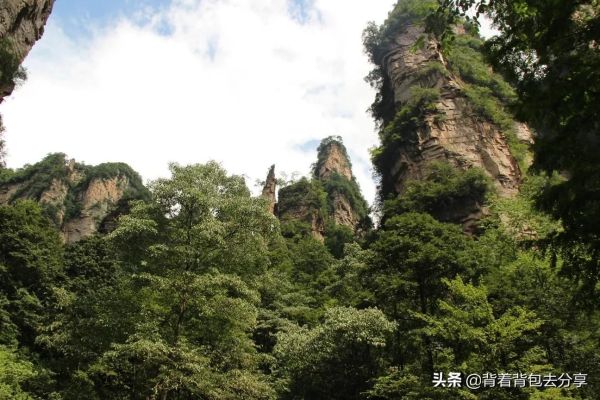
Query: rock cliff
(269,191)
(21,25)
(453,131)
(333,160)
(333,169)
(440,102)
(331,198)
(82,200)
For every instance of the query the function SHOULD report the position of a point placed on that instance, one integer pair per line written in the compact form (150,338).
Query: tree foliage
(548,51)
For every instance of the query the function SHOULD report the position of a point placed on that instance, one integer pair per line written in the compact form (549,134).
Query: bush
(11,70)
(305,193)
(443,192)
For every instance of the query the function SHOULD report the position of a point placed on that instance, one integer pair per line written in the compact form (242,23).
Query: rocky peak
(82,200)
(455,131)
(269,190)
(440,102)
(346,205)
(332,158)
(331,197)
(21,25)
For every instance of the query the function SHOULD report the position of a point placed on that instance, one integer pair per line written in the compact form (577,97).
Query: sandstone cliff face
(82,200)
(97,201)
(22,24)
(269,190)
(334,170)
(331,197)
(455,133)
(343,213)
(335,160)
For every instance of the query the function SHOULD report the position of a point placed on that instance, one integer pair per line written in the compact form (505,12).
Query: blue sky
(248,83)
(77,16)
(101,10)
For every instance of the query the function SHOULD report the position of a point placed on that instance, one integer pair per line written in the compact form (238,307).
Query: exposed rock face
(343,213)
(331,197)
(334,170)
(456,133)
(97,202)
(335,161)
(82,200)
(22,24)
(270,189)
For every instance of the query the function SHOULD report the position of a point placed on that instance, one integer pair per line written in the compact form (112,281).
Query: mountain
(330,199)
(81,200)
(438,101)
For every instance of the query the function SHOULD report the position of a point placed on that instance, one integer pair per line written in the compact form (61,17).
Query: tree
(412,255)
(30,268)
(336,359)
(14,372)
(193,252)
(549,51)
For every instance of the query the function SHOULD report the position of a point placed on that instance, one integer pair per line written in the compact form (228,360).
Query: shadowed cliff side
(21,25)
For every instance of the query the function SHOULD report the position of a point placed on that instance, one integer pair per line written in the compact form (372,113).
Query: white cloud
(241,82)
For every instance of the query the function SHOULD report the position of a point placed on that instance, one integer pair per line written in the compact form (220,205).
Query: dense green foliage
(11,70)
(548,50)
(198,294)
(33,180)
(307,194)
(201,293)
(444,192)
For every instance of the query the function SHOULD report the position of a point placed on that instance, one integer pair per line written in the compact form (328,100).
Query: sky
(245,83)
(248,83)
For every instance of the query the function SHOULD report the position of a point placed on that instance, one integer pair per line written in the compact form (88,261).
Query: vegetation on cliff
(11,70)
(200,292)
(33,181)
(488,96)
(549,52)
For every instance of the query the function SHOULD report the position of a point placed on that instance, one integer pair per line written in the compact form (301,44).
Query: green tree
(193,253)
(336,359)
(548,50)
(412,255)
(30,268)
(14,372)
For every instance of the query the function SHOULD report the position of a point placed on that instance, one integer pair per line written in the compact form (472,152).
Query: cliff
(82,200)
(453,131)
(333,169)
(269,192)
(439,102)
(330,199)
(21,25)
